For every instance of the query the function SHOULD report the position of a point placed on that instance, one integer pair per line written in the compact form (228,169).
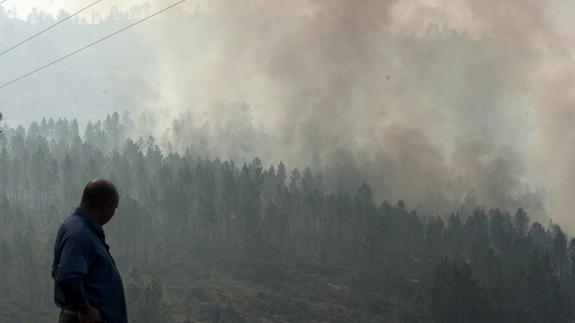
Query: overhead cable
(48,28)
(88,46)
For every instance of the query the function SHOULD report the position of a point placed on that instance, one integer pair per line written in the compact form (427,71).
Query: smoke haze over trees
(310,160)
(449,108)
(212,240)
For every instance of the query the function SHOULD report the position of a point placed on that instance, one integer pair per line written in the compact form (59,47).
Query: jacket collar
(91,222)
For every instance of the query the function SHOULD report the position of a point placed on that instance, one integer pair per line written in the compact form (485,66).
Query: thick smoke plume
(436,110)
(436,102)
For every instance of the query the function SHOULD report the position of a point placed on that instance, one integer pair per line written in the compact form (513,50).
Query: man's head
(100,200)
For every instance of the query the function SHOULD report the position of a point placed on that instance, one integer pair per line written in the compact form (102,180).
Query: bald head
(99,192)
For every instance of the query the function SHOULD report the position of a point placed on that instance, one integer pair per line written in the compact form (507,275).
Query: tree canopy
(213,240)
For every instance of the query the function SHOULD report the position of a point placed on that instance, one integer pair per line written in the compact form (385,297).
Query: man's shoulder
(74,226)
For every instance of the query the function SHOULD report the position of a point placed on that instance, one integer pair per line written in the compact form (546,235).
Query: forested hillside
(209,240)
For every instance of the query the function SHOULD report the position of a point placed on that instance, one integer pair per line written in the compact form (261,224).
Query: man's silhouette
(88,286)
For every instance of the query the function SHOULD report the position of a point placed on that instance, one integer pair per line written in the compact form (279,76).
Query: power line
(48,28)
(89,45)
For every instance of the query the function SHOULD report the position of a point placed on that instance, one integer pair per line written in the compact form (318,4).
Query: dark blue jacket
(84,271)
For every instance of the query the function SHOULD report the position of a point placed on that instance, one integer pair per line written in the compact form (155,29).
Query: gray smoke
(435,102)
(424,112)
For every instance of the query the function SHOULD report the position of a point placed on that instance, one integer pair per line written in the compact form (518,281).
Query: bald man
(88,286)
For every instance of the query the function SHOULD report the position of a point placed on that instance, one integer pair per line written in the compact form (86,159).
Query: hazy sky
(23,7)
(486,101)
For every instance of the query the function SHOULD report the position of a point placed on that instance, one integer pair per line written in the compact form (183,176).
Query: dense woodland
(206,240)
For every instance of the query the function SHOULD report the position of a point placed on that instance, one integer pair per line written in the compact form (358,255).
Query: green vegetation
(209,241)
